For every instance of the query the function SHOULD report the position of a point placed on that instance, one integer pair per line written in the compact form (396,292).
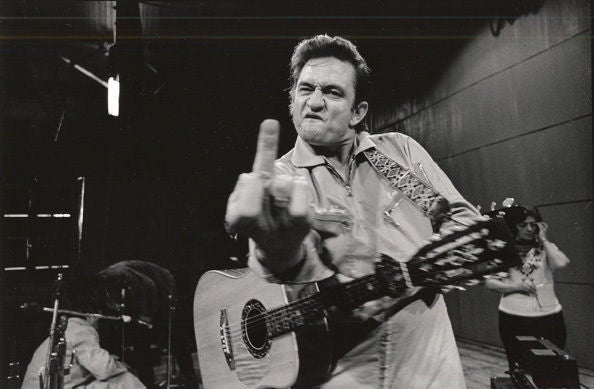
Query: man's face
(322,108)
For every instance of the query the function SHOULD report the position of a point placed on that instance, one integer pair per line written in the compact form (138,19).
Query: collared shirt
(360,215)
(365,213)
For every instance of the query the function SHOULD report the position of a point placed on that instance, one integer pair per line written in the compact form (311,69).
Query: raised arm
(555,257)
(272,210)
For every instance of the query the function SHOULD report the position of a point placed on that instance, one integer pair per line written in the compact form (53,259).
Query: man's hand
(271,209)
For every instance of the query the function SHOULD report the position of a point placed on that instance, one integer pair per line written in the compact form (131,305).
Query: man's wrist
(274,262)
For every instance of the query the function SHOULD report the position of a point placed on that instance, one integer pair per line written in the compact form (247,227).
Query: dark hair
(82,294)
(517,214)
(337,47)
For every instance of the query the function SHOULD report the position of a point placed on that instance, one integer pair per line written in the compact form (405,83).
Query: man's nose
(316,100)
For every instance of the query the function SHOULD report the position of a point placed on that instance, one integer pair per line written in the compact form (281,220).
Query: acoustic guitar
(251,333)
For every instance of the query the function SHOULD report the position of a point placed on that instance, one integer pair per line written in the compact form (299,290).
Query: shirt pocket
(331,221)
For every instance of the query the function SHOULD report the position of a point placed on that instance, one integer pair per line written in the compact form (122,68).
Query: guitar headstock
(465,256)
(495,211)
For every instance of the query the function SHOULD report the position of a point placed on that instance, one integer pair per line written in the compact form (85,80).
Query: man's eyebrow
(331,86)
(304,82)
(322,85)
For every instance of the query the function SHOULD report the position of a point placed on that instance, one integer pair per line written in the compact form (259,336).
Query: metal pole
(170,320)
(122,307)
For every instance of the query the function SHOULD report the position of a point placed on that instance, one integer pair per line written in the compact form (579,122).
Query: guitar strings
(313,303)
(275,313)
(304,304)
(307,305)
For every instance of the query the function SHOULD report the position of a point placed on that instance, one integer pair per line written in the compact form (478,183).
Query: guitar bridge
(226,340)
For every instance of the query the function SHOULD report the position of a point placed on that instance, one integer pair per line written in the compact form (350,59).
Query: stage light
(113,96)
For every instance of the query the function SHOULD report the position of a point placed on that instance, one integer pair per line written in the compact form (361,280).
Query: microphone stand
(52,374)
(121,309)
(170,320)
(122,318)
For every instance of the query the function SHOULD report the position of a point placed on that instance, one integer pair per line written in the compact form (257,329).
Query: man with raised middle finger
(323,210)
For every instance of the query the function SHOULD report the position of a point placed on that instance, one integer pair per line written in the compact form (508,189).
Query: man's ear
(359,113)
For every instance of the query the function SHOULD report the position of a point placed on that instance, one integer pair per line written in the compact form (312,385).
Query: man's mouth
(312,116)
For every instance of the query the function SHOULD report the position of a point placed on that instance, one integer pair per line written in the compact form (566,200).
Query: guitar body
(234,355)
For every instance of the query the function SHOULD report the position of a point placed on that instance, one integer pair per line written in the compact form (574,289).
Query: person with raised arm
(529,305)
(327,207)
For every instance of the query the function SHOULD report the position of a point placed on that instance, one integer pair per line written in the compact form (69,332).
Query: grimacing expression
(527,229)
(323,108)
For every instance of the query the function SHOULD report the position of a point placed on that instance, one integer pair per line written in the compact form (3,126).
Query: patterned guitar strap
(429,201)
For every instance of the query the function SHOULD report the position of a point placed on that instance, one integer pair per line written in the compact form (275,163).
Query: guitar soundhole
(253,329)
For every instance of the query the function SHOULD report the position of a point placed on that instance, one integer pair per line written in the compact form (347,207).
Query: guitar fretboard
(480,249)
(306,310)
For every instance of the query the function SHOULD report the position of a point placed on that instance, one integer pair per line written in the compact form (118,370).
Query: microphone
(130,319)
(124,318)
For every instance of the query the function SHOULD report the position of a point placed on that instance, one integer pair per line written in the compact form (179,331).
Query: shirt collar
(304,156)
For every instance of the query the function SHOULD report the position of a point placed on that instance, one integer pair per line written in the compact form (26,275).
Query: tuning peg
(425,267)
(435,237)
(508,202)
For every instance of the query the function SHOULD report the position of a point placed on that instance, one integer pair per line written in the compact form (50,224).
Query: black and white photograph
(296,194)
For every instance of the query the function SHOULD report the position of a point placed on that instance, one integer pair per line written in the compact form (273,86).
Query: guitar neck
(482,248)
(353,293)
(302,312)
